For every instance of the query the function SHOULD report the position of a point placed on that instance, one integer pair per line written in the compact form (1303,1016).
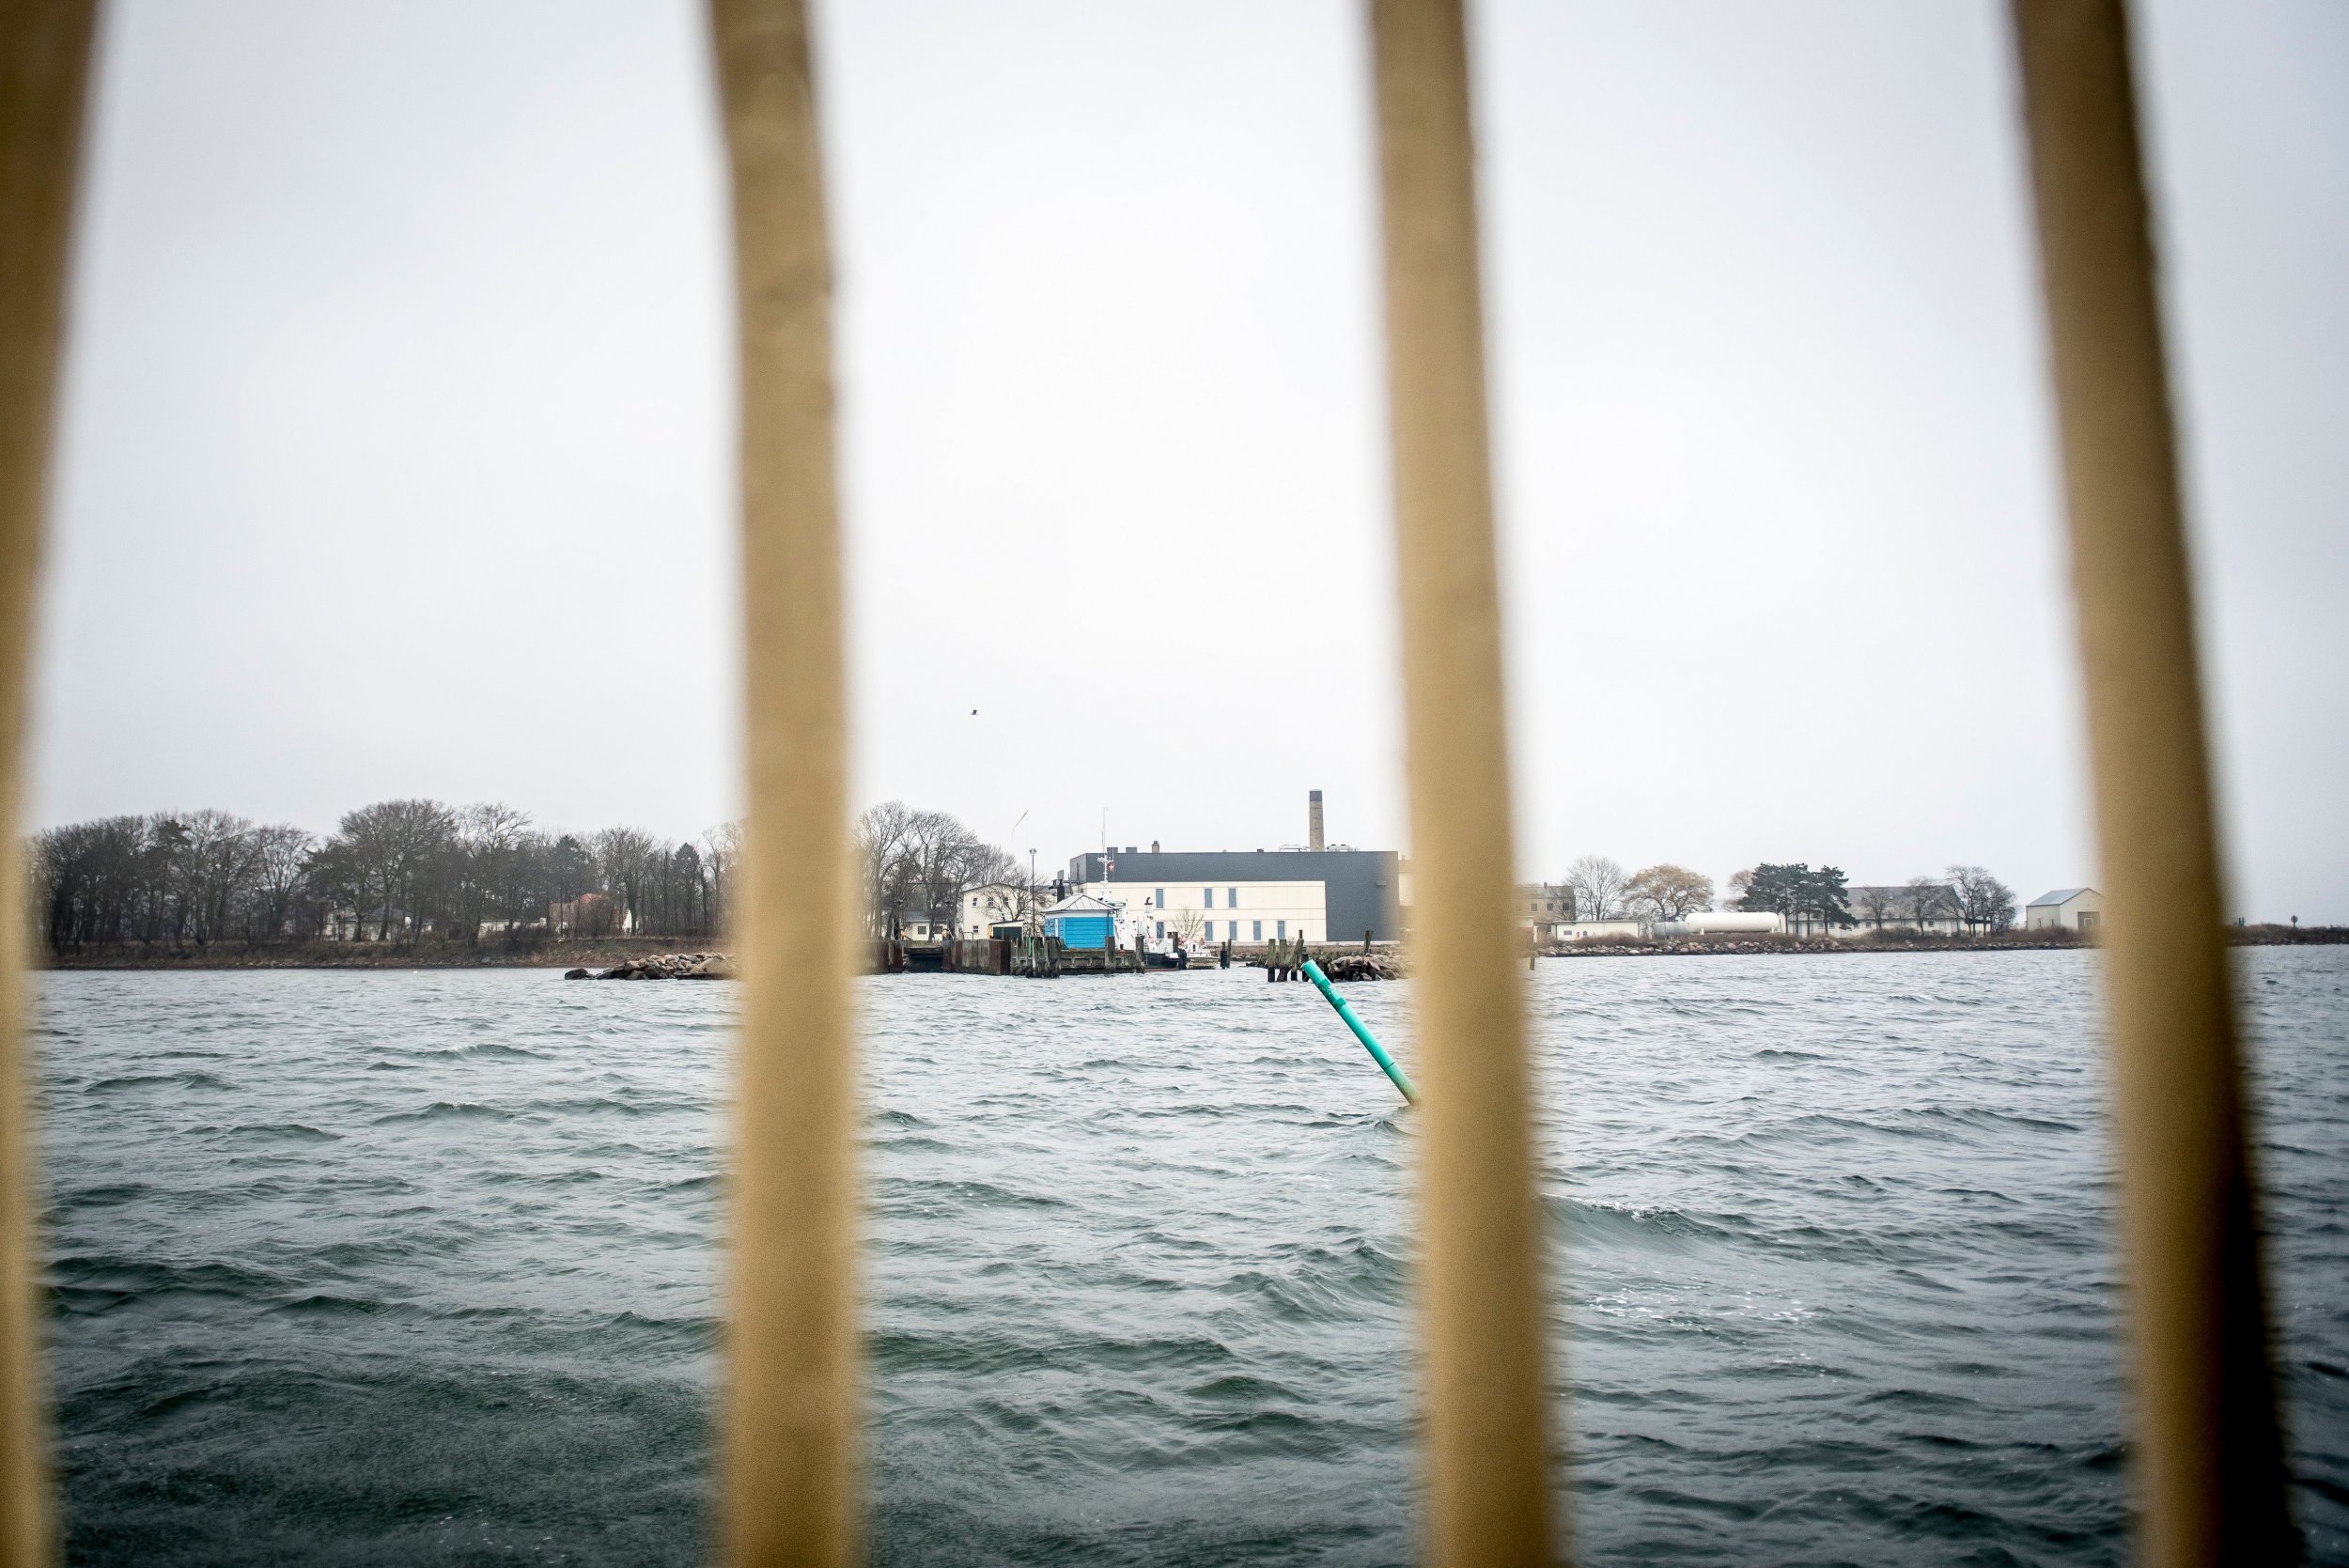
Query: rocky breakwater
(1362,966)
(665,965)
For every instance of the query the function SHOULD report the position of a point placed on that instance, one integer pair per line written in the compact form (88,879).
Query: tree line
(397,871)
(422,871)
(1808,897)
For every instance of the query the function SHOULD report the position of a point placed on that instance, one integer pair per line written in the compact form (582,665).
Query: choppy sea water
(405,1267)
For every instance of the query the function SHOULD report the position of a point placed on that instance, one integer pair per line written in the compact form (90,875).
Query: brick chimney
(1312,835)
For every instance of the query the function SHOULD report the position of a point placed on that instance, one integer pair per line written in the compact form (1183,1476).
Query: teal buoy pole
(1370,1041)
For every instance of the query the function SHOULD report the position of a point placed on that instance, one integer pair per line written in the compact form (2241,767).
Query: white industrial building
(1701,923)
(1244,913)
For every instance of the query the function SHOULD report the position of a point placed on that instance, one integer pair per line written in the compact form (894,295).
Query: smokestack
(1313,834)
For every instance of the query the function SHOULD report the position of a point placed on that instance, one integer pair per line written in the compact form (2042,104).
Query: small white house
(2079,909)
(1585,930)
(1546,911)
(985,907)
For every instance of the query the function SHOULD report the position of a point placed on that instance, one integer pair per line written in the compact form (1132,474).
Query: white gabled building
(2066,909)
(984,908)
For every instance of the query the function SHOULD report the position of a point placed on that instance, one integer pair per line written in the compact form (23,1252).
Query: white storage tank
(1720,923)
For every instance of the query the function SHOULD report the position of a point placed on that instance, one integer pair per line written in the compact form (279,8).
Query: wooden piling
(792,1429)
(1480,1279)
(44,82)
(2208,1455)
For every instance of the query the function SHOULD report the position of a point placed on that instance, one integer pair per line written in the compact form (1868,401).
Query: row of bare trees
(917,865)
(1967,895)
(1604,890)
(400,871)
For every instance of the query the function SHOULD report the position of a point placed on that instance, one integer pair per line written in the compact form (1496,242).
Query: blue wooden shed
(1082,921)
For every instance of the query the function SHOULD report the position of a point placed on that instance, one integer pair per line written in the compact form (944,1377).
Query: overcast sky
(396,449)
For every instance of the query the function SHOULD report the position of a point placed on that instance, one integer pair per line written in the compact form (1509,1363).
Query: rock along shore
(664,966)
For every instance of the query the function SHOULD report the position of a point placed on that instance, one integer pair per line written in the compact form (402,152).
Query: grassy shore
(1906,941)
(565,953)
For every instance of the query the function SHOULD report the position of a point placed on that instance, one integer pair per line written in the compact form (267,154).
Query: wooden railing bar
(44,82)
(2209,1466)
(791,1429)
(1480,1276)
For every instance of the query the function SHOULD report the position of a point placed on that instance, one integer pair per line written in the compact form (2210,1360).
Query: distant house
(591,914)
(2079,909)
(984,908)
(507,928)
(1930,910)
(1546,910)
(347,924)
(1585,930)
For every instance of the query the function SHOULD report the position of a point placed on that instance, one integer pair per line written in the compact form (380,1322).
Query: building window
(1280,930)
(1161,930)
(1206,898)
(1158,898)
(1259,936)
(1231,898)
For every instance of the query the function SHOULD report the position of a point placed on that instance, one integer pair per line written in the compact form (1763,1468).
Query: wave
(487,1051)
(446,1110)
(155,1080)
(286,1132)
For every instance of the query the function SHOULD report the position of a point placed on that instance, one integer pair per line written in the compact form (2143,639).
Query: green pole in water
(1370,1041)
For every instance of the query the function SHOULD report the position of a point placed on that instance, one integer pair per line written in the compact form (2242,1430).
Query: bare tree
(392,843)
(1598,886)
(1984,902)
(1928,898)
(628,864)
(1880,906)
(215,853)
(920,863)
(280,873)
(882,832)
(1667,892)
(721,859)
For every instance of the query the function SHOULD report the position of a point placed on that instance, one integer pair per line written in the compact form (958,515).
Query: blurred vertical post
(1480,1275)
(2208,1454)
(44,79)
(792,1427)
